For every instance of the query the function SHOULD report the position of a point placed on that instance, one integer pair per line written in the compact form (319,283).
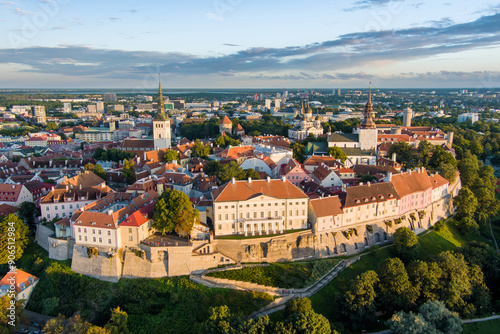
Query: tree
(227,171)
(200,150)
(51,126)
(12,228)
(405,243)
(448,171)
(173,211)
(465,202)
(117,324)
(424,278)
(170,155)
(424,152)
(128,171)
(220,321)
(468,226)
(440,156)
(309,322)
(73,325)
(99,171)
(252,174)
(396,292)
(50,305)
(337,153)
(27,212)
(469,171)
(299,152)
(359,305)
(7,319)
(89,166)
(433,317)
(296,305)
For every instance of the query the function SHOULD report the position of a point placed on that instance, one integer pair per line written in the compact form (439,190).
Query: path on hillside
(493,317)
(493,236)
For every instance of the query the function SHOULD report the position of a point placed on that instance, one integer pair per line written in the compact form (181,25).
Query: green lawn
(485,327)
(432,243)
(282,275)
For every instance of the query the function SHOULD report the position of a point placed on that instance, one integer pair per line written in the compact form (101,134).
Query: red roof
(244,190)
(226,120)
(139,217)
(327,206)
(21,277)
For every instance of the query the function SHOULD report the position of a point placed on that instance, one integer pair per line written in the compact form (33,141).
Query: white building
(161,125)
(14,194)
(472,116)
(257,207)
(23,284)
(305,126)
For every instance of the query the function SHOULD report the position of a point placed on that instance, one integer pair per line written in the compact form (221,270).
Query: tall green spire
(161,103)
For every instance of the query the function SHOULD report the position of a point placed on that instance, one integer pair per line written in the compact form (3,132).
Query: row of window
(93,239)
(93,231)
(262,214)
(262,205)
(47,208)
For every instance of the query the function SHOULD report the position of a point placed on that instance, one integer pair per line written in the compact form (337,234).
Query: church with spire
(367,131)
(305,125)
(161,125)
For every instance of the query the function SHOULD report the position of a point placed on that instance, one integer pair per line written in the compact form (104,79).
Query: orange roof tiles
(244,190)
(437,180)
(226,120)
(327,206)
(21,277)
(409,183)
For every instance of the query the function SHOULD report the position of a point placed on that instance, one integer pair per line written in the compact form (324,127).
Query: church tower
(368,130)
(161,125)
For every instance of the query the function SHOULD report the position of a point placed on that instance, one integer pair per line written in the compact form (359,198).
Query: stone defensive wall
(148,261)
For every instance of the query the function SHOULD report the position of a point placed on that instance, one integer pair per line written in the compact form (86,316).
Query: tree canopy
(174,211)
(337,153)
(12,228)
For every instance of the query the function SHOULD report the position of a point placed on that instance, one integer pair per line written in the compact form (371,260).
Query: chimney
(394,157)
(110,212)
(80,187)
(283,179)
(249,180)
(268,179)
(389,176)
(368,183)
(233,181)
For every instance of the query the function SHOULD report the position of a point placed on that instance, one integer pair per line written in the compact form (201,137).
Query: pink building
(294,172)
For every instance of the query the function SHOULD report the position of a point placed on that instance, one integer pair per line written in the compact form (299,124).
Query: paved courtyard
(158,240)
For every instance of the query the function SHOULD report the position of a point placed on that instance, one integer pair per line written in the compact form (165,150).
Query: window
(220,216)
(84,230)
(55,208)
(93,231)
(93,239)
(99,231)
(220,226)
(80,237)
(262,214)
(48,216)
(226,216)
(291,212)
(79,230)
(85,238)
(130,230)
(109,232)
(109,241)
(100,240)
(130,238)
(71,206)
(78,206)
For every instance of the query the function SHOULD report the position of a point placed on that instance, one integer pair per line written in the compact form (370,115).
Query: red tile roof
(226,120)
(21,277)
(327,206)
(244,190)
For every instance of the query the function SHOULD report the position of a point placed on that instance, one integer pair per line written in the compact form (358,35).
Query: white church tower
(368,130)
(161,125)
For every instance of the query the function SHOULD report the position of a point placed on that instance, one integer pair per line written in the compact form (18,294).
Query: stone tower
(368,130)
(407,115)
(161,125)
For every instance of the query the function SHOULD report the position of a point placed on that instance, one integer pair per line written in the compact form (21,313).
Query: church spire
(368,122)
(161,103)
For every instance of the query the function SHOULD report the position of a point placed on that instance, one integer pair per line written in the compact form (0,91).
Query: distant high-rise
(256,97)
(39,114)
(277,103)
(339,92)
(67,107)
(268,103)
(100,107)
(109,97)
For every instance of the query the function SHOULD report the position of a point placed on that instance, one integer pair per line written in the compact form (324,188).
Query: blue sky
(244,44)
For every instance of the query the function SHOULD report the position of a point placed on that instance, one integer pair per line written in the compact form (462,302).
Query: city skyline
(242,44)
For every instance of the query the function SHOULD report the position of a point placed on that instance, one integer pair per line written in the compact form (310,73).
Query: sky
(249,44)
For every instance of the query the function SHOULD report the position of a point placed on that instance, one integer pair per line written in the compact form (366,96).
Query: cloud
(114,19)
(132,11)
(230,44)
(214,16)
(339,56)
(363,4)
(19,11)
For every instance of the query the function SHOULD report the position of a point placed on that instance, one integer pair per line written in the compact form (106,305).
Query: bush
(468,226)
